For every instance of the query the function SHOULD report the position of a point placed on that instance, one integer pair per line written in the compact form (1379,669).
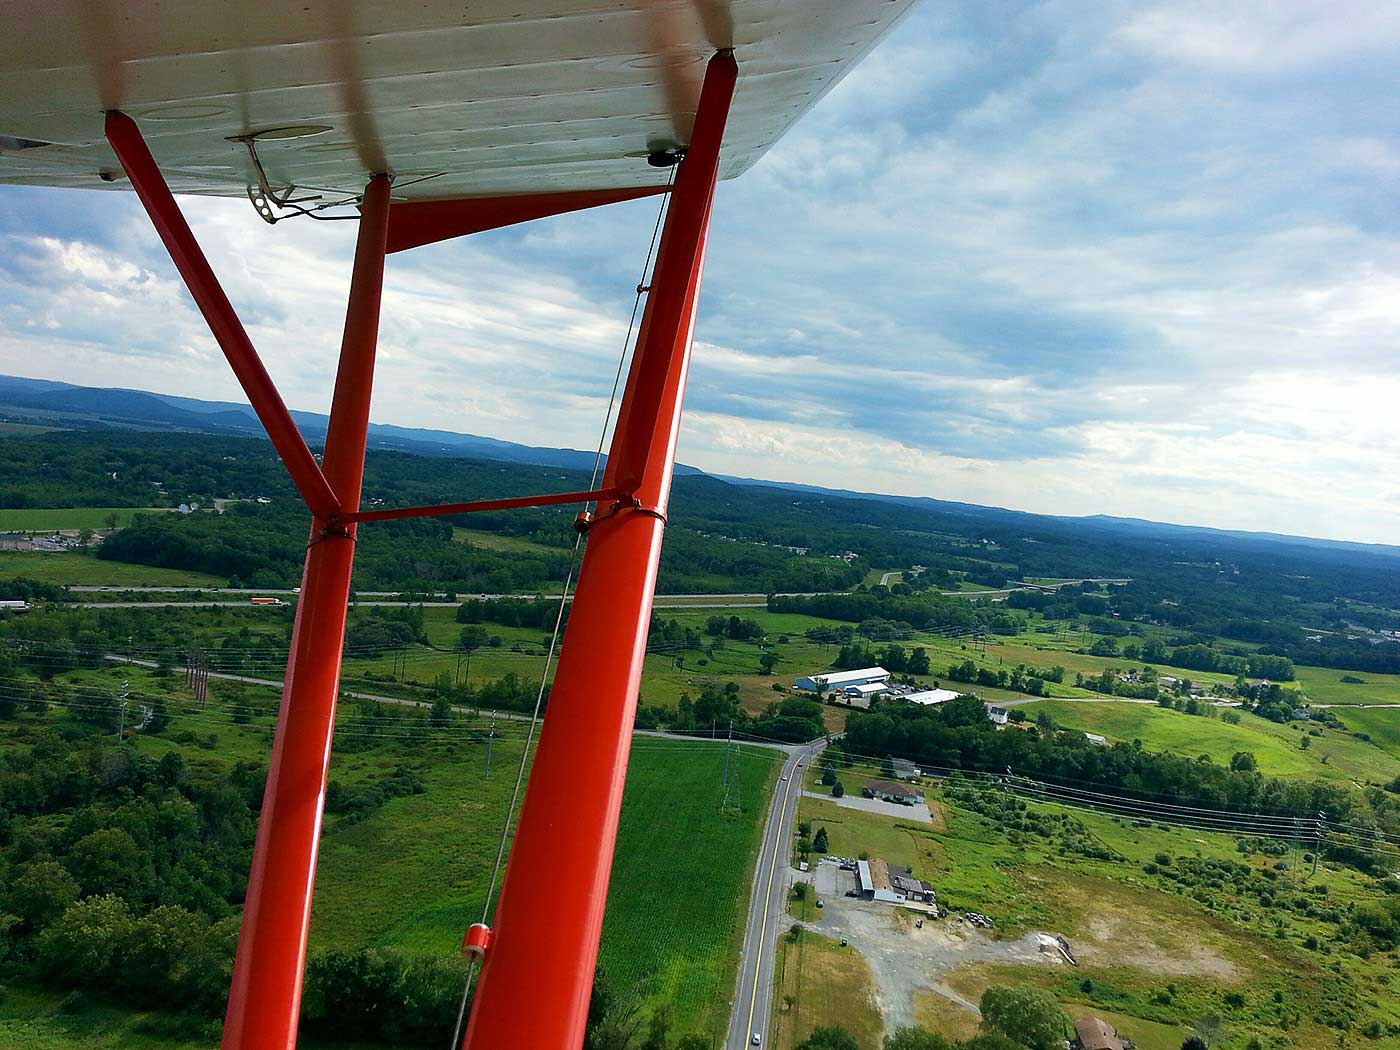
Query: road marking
(767,897)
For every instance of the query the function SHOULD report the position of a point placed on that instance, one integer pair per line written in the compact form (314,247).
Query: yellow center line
(767,896)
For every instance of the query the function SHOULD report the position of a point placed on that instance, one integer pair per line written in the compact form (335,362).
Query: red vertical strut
(538,971)
(265,1000)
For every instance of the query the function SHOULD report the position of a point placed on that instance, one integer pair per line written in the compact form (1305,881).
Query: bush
(369,994)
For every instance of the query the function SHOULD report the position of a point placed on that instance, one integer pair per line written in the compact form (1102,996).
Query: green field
(1381,724)
(66,568)
(1334,754)
(1324,685)
(37,519)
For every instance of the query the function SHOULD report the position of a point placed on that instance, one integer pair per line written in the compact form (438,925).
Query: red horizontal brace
(510,503)
(415,223)
(154,193)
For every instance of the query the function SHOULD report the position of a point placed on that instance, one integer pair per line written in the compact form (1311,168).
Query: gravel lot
(905,959)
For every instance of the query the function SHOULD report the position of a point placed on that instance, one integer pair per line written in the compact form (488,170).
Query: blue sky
(1125,258)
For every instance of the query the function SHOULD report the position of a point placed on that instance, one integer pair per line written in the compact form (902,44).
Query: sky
(1131,258)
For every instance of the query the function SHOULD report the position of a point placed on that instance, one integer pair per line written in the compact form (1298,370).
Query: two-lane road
(767,906)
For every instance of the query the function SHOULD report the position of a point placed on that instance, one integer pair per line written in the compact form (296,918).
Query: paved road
(767,906)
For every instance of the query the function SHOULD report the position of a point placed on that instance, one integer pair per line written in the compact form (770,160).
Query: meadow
(67,568)
(1332,754)
(40,519)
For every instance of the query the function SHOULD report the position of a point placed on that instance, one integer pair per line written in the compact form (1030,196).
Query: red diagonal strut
(151,188)
(538,971)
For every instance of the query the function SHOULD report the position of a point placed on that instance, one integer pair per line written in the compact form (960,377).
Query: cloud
(1120,258)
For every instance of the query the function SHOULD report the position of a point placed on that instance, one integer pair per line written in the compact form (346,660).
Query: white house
(821,683)
(997,714)
(933,696)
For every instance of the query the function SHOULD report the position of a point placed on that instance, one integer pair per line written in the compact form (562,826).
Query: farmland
(69,567)
(1330,754)
(35,519)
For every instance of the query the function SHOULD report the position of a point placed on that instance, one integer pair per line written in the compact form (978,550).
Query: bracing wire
(559,615)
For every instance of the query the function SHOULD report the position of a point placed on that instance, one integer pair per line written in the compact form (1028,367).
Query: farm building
(1094,1033)
(820,683)
(892,792)
(865,692)
(933,696)
(1095,738)
(882,881)
(15,541)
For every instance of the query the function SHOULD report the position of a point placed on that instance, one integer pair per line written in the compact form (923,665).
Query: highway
(767,907)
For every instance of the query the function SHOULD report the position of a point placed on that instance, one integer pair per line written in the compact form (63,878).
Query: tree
(41,892)
(472,638)
(1243,762)
(829,1037)
(767,662)
(918,662)
(1193,1042)
(1027,1015)
(838,790)
(1305,743)
(693,1042)
(916,1039)
(819,843)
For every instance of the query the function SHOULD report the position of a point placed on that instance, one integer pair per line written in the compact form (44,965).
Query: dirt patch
(1118,924)
(944,1011)
(821,983)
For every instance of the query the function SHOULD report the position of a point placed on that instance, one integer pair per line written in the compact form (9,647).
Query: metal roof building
(820,683)
(933,696)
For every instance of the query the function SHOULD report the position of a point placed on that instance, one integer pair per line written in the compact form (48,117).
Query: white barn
(821,683)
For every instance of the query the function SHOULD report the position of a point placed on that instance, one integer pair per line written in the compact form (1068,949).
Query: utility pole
(490,736)
(728,742)
(1317,840)
(121,714)
(1006,795)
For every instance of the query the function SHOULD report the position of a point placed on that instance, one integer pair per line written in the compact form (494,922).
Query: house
(1094,1033)
(15,541)
(838,680)
(892,792)
(997,714)
(881,881)
(933,696)
(1095,738)
(906,770)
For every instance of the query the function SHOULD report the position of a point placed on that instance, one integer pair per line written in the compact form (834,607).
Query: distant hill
(66,404)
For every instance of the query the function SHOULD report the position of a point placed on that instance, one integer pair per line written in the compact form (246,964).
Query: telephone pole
(121,714)
(1317,840)
(490,736)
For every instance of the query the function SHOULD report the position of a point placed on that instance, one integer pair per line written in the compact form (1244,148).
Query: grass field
(25,429)
(500,542)
(679,886)
(1382,724)
(67,567)
(36,519)
(816,983)
(1333,755)
(1325,685)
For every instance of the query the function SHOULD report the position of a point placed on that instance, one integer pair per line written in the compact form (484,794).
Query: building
(821,683)
(1095,738)
(933,696)
(881,881)
(1094,1033)
(892,792)
(861,695)
(997,714)
(906,770)
(15,541)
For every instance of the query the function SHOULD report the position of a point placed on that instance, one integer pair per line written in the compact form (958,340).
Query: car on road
(785,776)
(757,1039)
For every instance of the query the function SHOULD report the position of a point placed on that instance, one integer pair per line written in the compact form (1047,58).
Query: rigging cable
(642,288)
